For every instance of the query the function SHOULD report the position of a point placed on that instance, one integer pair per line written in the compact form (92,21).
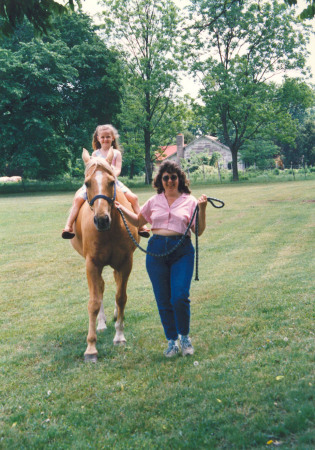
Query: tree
(235,57)
(146,30)
(53,93)
(30,108)
(179,117)
(215,158)
(260,153)
(296,97)
(306,143)
(38,12)
(94,96)
(308,12)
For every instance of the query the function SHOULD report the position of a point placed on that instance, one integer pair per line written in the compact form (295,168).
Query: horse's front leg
(96,289)
(121,278)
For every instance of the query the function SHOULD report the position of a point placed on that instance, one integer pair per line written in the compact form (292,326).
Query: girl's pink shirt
(176,217)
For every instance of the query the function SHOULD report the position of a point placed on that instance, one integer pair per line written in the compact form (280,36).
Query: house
(202,144)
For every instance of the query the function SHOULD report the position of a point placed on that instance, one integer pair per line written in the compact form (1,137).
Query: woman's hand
(131,216)
(203,201)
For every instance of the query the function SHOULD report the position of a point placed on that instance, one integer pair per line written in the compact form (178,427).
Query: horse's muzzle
(102,223)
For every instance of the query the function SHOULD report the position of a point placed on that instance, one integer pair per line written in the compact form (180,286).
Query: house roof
(171,150)
(167,152)
(214,138)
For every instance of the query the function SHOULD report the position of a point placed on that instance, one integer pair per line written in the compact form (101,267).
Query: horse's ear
(85,156)
(110,155)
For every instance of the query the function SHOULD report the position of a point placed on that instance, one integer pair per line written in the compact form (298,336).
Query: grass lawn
(250,383)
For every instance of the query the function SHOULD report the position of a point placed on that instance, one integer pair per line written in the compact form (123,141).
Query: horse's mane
(98,161)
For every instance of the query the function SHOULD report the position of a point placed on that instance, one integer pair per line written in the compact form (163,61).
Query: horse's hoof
(120,343)
(90,358)
(101,329)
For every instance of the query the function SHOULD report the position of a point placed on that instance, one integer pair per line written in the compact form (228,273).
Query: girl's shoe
(186,347)
(172,349)
(144,232)
(67,234)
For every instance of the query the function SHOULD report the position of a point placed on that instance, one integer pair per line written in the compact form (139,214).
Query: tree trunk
(147,138)
(234,164)
(148,165)
(131,170)
(233,146)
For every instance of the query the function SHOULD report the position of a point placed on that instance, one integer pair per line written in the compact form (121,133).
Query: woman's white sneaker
(172,349)
(186,347)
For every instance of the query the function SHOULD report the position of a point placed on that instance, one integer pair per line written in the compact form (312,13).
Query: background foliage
(54,92)
(60,80)
(235,56)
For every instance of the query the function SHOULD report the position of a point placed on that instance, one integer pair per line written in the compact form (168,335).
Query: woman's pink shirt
(176,217)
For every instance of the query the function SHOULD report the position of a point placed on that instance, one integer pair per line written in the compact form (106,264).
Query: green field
(251,381)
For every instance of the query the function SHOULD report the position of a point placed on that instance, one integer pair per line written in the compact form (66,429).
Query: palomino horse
(101,238)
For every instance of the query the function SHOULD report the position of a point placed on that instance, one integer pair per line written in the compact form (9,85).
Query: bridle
(104,197)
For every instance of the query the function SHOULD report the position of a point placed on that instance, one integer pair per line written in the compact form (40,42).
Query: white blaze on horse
(101,238)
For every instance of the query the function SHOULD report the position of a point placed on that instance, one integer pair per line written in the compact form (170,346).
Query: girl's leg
(133,199)
(67,232)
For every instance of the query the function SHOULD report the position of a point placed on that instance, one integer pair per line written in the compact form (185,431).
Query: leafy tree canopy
(54,92)
(308,12)
(38,12)
(146,31)
(236,56)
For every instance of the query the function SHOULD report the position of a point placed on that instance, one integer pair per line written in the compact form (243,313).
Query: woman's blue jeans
(171,278)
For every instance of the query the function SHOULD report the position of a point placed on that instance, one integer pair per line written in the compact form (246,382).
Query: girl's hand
(202,201)
(117,204)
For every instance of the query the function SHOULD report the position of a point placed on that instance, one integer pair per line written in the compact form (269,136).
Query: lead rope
(158,255)
(197,246)
(163,255)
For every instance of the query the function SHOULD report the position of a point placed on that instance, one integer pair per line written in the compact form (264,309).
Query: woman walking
(169,213)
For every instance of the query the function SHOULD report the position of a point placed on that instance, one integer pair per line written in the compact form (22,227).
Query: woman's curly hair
(171,167)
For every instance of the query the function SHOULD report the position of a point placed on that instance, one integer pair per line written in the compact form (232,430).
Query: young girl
(104,137)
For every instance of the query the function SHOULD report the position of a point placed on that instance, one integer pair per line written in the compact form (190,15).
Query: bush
(78,169)
(266,164)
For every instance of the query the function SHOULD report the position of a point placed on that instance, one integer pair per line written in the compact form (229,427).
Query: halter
(104,197)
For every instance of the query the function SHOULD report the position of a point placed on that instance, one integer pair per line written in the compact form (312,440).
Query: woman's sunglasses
(172,177)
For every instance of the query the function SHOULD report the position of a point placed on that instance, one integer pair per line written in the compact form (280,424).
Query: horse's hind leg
(101,319)
(96,289)
(121,278)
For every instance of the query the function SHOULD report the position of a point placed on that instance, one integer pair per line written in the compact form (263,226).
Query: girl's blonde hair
(115,144)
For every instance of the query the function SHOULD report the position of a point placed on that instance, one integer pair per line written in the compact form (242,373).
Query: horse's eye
(87,184)
(112,183)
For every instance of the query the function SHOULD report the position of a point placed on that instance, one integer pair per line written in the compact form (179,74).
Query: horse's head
(101,187)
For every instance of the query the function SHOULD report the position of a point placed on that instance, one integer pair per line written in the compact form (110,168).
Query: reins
(163,255)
